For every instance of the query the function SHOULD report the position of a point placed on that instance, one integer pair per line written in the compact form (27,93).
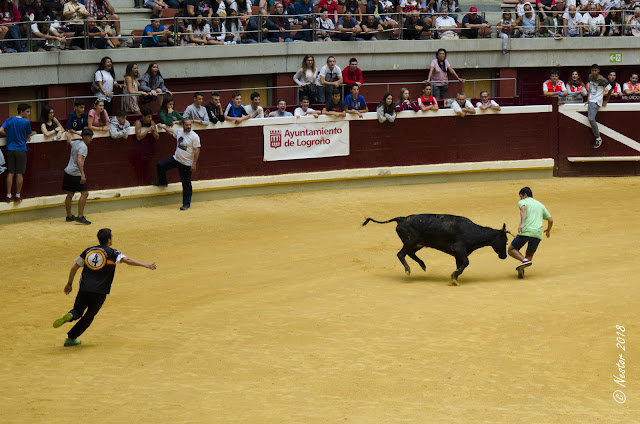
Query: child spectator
(98,117)
(334,106)
(119,126)
(405,103)
(153,33)
(77,120)
(49,124)
(505,27)
(386,109)
(354,102)
(168,115)
(235,111)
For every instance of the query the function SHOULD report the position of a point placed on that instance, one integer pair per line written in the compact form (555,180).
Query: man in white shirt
(185,159)
(632,87)
(446,25)
(598,86)
(593,22)
(305,110)
(254,110)
(462,106)
(571,21)
(486,103)
(330,77)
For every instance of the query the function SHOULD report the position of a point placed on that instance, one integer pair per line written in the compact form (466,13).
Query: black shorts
(520,241)
(16,162)
(71,183)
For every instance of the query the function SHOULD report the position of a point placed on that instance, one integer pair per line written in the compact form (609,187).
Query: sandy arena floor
(283,309)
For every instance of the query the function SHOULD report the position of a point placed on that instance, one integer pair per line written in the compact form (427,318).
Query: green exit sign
(615,57)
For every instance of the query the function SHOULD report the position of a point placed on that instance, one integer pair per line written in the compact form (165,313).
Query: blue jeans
(185,176)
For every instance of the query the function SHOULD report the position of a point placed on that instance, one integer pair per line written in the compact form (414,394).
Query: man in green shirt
(532,213)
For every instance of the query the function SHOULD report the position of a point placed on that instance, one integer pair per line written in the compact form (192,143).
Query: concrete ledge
(147,196)
(604,159)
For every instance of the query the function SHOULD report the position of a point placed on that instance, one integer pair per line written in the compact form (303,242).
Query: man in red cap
(474,26)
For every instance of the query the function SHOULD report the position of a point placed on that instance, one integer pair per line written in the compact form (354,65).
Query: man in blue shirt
(77,120)
(18,132)
(152,34)
(235,111)
(354,102)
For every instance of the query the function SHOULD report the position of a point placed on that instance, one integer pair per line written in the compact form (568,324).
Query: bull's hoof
(424,268)
(454,283)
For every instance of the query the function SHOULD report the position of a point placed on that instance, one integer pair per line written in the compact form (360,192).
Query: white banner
(306,140)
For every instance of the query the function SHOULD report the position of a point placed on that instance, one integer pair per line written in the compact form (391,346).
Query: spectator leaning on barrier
(354,102)
(98,117)
(77,120)
(352,74)
(486,103)
(386,110)
(571,22)
(255,25)
(330,77)
(552,25)
(307,79)
(112,41)
(598,86)
(254,109)
(18,132)
(593,22)
(234,111)
(575,88)
(185,159)
(427,101)
(145,126)
(281,111)
(49,124)
(462,106)
(75,179)
(15,41)
(214,109)
(153,83)
(348,28)
(153,33)
(50,39)
(404,101)
(438,74)
(195,112)
(304,109)
(168,115)
(474,25)
(616,90)
(613,23)
(413,27)
(371,28)
(632,88)
(335,106)
(554,86)
(119,126)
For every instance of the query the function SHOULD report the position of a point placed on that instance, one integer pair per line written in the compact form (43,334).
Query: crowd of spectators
(78,24)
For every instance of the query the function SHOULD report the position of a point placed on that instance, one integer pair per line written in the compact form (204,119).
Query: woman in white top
(575,88)
(199,31)
(307,79)
(105,79)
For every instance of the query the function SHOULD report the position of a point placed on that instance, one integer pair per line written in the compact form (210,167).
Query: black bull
(455,235)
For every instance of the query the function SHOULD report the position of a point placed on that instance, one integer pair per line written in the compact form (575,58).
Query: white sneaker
(525,263)
(598,143)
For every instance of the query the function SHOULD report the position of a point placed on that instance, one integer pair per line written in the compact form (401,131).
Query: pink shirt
(94,118)
(439,77)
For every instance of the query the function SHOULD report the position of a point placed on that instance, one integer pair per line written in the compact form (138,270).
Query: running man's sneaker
(71,342)
(71,218)
(65,318)
(184,207)
(82,220)
(525,263)
(598,143)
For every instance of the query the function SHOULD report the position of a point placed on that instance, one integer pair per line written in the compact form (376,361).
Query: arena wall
(231,153)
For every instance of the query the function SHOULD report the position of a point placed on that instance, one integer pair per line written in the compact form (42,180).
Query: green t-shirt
(168,118)
(536,212)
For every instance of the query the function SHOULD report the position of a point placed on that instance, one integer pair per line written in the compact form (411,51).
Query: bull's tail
(399,220)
